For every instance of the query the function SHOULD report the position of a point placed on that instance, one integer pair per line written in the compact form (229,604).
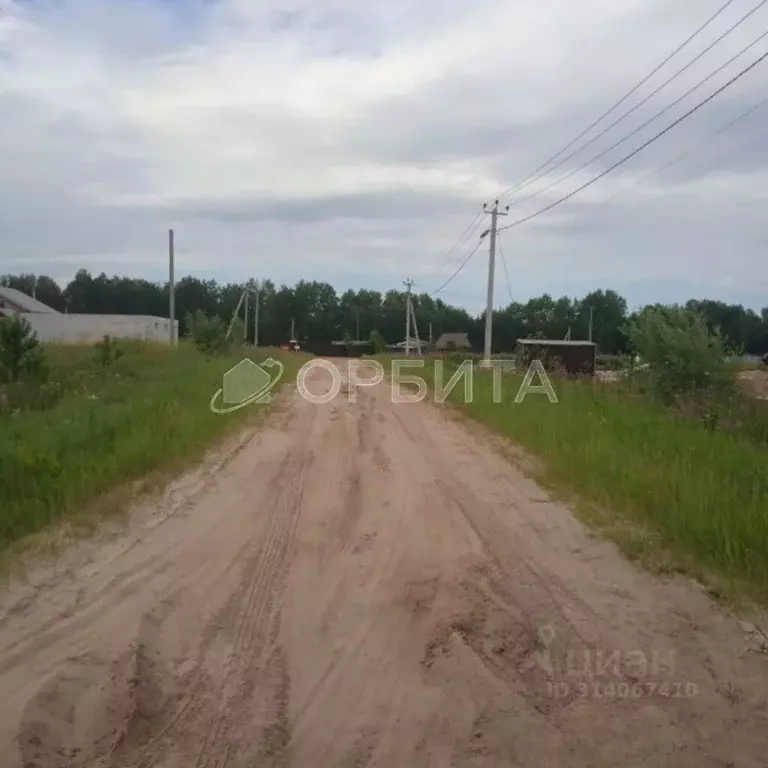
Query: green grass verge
(671,491)
(146,413)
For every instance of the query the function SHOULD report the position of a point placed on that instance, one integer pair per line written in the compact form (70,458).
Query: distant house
(52,326)
(13,301)
(453,341)
(414,344)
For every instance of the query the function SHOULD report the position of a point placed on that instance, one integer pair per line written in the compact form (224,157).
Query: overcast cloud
(354,142)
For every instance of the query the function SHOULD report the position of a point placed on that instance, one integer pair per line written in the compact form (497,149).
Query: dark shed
(577,357)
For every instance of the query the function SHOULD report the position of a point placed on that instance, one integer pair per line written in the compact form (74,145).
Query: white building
(52,326)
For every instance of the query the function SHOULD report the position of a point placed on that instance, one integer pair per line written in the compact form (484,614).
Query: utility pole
(171,288)
(430,331)
(293,330)
(256,302)
(495,213)
(245,315)
(235,314)
(357,319)
(408,284)
(591,317)
(415,330)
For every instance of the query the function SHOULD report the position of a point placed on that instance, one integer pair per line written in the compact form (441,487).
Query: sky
(354,142)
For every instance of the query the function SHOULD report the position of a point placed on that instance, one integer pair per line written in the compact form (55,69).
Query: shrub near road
(117,412)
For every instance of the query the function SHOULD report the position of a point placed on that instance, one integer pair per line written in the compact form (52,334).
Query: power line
(462,265)
(763,102)
(470,228)
(653,93)
(506,271)
(623,98)
(641,147)
(643,125)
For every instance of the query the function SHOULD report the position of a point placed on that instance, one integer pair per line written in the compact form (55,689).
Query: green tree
(209,333)
(682,353)
(20,351)
(609,315)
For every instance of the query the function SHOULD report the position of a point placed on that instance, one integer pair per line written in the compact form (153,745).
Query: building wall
(88,329)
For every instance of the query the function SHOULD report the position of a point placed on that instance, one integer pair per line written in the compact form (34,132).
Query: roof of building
(456,338)
(26,303)
(556,343)
(414,342)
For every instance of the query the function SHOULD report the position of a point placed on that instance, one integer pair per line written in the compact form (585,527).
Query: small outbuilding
(578,358)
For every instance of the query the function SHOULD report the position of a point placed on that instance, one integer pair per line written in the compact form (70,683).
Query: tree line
(321,314)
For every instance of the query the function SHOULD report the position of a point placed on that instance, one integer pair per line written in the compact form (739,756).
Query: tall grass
(149,410)
(702,491)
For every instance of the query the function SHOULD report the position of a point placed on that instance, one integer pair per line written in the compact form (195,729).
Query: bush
(20,351)
(613,362)
(106,352)
(209,334)
(682,354)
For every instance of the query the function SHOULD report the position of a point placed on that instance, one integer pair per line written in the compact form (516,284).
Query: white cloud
(354,142)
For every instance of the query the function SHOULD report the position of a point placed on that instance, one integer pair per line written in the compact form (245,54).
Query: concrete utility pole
(171,288)
(591,318)
(293,330)
(408,284)
(245,315)
(256,302)
(495,213)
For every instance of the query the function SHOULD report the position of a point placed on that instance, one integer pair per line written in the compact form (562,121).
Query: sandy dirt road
(368,584)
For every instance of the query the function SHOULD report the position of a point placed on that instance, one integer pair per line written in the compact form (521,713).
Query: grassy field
(92,429)
(673,491)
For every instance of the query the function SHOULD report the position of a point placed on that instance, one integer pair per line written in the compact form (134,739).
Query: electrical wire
(643,146)
(623,98)
(461,266)
(464,235)
(506,271)
(660,169)
(643,125)
(535,177)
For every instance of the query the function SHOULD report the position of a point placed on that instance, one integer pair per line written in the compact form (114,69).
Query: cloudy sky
(353,142)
